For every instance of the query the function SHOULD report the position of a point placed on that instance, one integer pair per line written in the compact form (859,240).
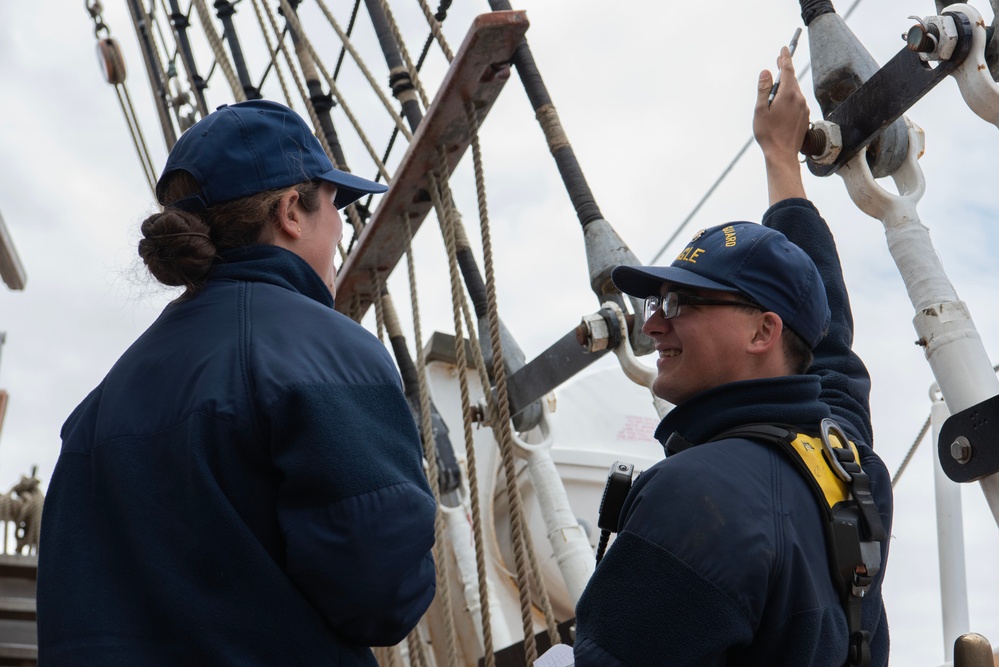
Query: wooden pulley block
(111,60)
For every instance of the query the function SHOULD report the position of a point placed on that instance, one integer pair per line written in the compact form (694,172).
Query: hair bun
(177,248)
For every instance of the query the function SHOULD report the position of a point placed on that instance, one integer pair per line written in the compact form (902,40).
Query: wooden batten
(477,74)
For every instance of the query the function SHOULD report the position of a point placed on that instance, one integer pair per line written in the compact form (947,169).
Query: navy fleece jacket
(245,487)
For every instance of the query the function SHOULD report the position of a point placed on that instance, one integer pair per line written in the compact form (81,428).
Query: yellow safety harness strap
(853,527)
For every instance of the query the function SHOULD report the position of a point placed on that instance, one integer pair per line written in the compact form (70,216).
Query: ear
(287,220)
(767,336)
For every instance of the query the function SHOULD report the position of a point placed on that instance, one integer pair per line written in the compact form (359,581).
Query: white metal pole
(950,543)
(459,532)
(573,552)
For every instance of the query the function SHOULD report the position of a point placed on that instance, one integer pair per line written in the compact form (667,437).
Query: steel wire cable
(738,156)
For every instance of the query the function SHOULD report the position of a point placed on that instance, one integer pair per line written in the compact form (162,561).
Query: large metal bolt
(823,142)
(921,38)
(960,450)
(814,142)
(593,333)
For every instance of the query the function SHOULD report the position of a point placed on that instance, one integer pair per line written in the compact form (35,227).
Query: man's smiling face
(703,346)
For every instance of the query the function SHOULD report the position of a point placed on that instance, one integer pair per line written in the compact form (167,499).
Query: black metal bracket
(548,370)
(888,94)
(969,442)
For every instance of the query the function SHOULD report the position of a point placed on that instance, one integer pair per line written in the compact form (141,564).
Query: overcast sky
(656,98)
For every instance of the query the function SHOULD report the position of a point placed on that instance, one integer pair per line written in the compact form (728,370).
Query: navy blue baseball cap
(250,147)
(747,258)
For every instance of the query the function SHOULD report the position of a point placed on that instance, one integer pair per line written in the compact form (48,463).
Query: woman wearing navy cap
(245,487)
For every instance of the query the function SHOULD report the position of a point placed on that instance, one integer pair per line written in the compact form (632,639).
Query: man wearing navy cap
(721,556)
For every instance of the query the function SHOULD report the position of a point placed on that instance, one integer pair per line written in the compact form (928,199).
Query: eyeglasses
(670,303)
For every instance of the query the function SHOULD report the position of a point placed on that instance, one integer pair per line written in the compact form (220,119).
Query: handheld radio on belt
(616,490)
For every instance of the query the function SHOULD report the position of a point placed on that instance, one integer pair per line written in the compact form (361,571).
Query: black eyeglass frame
(669,303)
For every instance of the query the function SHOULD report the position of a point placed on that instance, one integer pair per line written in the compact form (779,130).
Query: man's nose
(657,324)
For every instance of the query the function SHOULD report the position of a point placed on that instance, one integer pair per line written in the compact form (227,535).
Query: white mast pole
(950,542)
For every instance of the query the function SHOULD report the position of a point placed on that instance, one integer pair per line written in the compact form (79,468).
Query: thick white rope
(397,34)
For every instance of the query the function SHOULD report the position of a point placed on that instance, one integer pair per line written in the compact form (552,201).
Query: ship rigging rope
(492,310)
(485,613)
(435,30)
(159,31)
(379,301)
(138,140)
(296,25)
(273,51)
(472,468)
(350,31)
(430,452)
(462,241)
(221,57)
(426,426)
(446,221)
(153,61)
(367,72)
(180,26)
(303,93)
(523,547)
(524,558)
(909,454)
(386,656)
(537,580)
(397,34)
(417,652)
(114,68)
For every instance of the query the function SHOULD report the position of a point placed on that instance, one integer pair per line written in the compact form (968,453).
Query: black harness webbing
(854,532)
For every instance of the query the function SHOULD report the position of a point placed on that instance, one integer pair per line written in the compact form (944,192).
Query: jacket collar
(275,265)
(783,400)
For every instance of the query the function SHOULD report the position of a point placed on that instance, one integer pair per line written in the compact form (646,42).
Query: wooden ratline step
(18,630)
(472,76)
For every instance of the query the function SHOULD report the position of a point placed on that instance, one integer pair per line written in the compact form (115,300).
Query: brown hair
(179,247)
(797,353)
